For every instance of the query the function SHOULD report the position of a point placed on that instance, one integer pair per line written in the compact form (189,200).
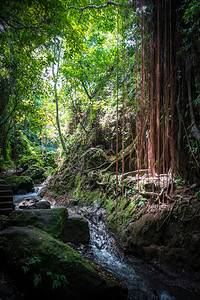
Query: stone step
(5,205)
(6,198)
(6,193)
(5,211)
(5,187)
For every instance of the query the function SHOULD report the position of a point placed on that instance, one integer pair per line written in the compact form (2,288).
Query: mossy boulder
(44,267)
(36,172)
(143,232)
(39,167)
(77,229)
(20,183)
(54,221)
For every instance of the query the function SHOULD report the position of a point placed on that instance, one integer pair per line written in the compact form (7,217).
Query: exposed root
(112,159)
(167,218)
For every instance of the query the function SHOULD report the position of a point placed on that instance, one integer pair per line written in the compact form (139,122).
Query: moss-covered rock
(77,229)
(37,173)
(164,237)
(23,183)
(55,221)
(143,232)
(45,267)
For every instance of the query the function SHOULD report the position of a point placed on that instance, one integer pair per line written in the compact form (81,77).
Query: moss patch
(20,183)
(44,266)
(56,222)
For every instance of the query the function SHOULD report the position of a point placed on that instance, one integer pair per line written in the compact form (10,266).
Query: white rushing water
(138,283)
(143,282)
(19,198)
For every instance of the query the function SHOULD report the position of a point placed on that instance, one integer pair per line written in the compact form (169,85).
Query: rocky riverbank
(39,264)
(164,234)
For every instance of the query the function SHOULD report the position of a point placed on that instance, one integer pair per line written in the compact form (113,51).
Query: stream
(18,198)
(143,282)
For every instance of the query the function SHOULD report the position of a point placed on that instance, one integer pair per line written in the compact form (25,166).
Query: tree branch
(12,111)
(96,6)
(85,89)
(22,26)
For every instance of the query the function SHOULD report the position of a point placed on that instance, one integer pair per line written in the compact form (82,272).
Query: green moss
(28,161)
(102,199)
(91,196)
(110,205)
(35,172)
(79,183)
(58,190)
(53,221)
(39,260)
(20,182)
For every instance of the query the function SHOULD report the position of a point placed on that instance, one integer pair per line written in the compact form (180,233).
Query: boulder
(28,203)
(54,221)
(20,183)
(43,204)
(77,229)
(21,192)
(36,173)
(34,203)
(44,267)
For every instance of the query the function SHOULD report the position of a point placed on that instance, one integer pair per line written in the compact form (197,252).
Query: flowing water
(143,282)
(18,198)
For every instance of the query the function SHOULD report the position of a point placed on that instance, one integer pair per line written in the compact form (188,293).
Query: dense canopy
(125,72)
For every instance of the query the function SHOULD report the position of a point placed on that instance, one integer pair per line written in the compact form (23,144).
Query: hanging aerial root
(112,159)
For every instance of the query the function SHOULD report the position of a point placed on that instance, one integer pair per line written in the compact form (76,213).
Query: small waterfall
(143,282)
(34,194)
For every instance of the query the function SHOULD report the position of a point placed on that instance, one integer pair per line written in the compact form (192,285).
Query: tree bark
(56,97)
(194,130)
(158,87)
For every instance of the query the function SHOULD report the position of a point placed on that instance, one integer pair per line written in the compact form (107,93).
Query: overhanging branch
(96,6)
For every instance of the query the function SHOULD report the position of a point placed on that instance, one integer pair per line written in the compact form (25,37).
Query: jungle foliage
(120,78)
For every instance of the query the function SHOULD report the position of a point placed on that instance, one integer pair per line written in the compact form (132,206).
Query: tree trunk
(56,96)
(158,87)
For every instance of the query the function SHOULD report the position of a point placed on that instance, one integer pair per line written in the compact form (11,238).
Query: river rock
(44,267)
(34,203)
(77,229)
(43,204)
(28,203)
(55,221)
(21,192)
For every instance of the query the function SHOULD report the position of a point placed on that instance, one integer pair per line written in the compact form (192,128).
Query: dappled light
(100,149)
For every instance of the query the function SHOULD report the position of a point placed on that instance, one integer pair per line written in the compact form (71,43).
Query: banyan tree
(165,76)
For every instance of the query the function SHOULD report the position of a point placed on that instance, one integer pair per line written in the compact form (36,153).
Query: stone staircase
(6,198)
